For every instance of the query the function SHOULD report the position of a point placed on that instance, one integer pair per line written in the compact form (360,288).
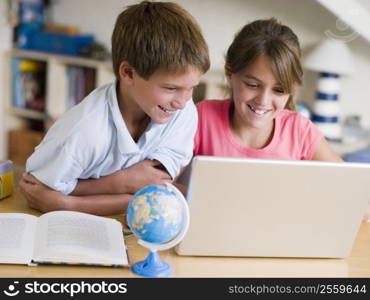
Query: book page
(17,233)
(73,237)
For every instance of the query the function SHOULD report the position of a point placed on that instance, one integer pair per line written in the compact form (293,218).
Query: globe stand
(152,266)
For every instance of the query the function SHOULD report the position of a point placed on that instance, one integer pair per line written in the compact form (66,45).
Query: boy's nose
(179,103)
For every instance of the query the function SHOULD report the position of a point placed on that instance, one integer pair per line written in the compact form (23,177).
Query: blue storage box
(361,156)
(57,43)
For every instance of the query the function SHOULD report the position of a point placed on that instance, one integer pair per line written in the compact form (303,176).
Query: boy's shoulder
(86,118)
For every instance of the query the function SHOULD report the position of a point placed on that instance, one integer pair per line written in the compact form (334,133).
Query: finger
(148,162)
(30,190)
(165,175)
(161,174)
(29,178)
(155,162)
(160,167)
(22,184)
(26,185)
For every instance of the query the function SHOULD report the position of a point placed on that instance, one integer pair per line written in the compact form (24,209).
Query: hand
(139,175)
(182,188)
(39,196)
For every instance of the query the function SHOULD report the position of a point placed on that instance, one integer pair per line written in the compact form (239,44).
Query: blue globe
(155,214)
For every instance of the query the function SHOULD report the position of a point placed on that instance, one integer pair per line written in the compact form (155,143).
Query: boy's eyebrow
(177,86)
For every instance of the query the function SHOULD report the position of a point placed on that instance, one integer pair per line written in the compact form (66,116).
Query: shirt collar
(125,142)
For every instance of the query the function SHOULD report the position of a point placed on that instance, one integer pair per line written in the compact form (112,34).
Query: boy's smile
(160,96)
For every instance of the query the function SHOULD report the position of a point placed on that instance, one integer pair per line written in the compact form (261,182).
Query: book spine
(17,94)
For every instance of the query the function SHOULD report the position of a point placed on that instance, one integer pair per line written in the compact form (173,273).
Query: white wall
(220,19)
(4,46)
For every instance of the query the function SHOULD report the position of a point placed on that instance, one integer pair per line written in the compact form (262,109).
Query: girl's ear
(126,72)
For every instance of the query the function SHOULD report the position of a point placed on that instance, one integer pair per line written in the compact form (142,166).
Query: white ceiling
(365,3)
(355,13)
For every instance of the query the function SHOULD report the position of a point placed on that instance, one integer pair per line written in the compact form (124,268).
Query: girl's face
(258,97)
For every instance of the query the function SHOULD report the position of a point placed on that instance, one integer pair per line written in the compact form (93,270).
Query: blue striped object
(326,107)
(329,75)
(324,96)
(322,119)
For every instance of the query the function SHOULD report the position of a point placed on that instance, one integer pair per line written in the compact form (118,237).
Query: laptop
(274,208)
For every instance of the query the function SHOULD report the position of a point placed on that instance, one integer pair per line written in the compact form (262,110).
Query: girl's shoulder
(292,117)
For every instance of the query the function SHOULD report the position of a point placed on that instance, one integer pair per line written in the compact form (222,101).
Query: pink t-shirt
(295,137)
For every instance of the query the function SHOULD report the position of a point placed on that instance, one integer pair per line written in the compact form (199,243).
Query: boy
(131,133)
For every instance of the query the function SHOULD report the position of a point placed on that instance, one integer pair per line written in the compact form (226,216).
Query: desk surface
(357,265)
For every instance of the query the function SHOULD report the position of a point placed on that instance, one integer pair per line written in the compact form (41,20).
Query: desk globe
(159,216)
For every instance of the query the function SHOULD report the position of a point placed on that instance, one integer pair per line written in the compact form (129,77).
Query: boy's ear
(126,72)
(228,76)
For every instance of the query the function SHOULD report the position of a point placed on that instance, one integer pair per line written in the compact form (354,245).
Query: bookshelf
(63,82)
(25,127)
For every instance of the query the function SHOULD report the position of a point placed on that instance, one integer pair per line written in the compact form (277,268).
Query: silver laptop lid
(274,208)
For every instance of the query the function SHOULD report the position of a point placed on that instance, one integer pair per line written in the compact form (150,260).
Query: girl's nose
(263,98)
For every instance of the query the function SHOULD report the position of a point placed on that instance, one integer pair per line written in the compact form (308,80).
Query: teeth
(165,110)
(258,111)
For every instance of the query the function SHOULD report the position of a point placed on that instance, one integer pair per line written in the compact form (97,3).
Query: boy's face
(164,93)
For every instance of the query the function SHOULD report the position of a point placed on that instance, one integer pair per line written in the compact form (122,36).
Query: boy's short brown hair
(154,36)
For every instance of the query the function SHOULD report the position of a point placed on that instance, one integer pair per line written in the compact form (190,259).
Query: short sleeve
(54,166)
(197,133)
(311,137)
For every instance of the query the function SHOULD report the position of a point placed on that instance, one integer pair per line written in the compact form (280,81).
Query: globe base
(152,266)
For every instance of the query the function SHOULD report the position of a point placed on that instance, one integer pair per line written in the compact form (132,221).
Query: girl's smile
(258,97)
(258,111)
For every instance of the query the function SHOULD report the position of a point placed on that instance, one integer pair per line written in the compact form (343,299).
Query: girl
(263,69)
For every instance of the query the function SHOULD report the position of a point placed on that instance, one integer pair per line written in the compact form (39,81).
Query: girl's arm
(324,152)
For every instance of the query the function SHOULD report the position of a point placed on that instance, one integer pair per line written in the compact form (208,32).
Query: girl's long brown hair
(274,40)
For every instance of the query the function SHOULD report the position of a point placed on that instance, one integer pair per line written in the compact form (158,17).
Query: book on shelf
(61,237)
(80,82)
(28,84)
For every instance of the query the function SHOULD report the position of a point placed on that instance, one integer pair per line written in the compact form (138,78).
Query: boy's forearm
(99,204)
(102,185)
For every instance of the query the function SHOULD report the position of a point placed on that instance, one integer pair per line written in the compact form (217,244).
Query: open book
(61,237)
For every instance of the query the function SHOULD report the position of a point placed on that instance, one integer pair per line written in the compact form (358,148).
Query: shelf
(29,114)
(79,61)
(58,91)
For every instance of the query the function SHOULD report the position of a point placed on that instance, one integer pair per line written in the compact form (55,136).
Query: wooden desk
(357,265)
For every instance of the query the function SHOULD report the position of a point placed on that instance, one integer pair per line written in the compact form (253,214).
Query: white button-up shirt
(91,140)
